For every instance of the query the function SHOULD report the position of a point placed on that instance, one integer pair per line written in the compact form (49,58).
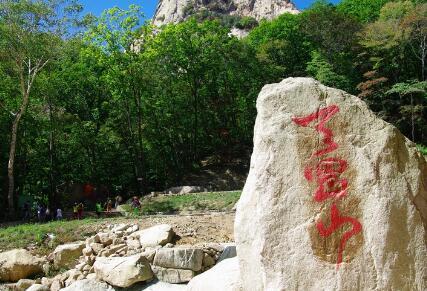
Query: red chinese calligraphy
(327,175)
(336,222)
(324,115)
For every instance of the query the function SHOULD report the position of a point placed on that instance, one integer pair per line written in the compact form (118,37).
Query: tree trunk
(12,153)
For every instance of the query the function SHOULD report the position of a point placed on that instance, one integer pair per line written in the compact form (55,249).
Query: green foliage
(422,149)
(21,236)
(363,10)
(247,22)
(195,202)
(320,69)
(131,108)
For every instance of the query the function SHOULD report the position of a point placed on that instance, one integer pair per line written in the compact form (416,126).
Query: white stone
(123,272)
(277,223)
(224,276)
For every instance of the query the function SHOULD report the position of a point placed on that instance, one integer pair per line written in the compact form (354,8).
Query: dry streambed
(152,253)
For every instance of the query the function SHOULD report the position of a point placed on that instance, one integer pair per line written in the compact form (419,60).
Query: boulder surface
(123,271)
(19,264)
(179,258)
(66,256)
(225,276)
(156,235)
(88,285)
(336,198)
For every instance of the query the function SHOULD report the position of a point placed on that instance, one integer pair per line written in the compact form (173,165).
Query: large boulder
(66,256)
(123,271)
(156,235)
(88,285)
(19,264)
(336,198)
(225,276)
(179,258)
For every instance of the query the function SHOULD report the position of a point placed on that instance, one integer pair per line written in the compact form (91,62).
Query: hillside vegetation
(122,106)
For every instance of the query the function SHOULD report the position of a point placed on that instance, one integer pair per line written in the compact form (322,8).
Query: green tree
(363,10)
(30,32)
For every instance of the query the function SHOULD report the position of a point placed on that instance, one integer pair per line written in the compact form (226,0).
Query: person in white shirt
(58,214)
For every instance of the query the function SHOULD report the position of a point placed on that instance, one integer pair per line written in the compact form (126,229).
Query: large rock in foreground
(225,276)
(336,198)
(123,271)
(19,264)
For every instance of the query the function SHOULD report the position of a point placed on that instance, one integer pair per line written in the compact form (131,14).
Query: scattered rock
(19,264)
(319,155)
(66,256)
(104,238)
(179,258)
(123,272)
(224,276)
(96,247)
(154,236)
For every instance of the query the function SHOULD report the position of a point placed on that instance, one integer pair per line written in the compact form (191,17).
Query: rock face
(225,276)
(335,198)
(18,264)
(173,276)
(123,271)
(173,11)
(179,258)
(66,256)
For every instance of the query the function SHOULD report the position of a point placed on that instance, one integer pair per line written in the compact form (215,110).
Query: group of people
(44,213)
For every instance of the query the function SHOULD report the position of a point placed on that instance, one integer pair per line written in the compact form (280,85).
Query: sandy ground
(190,229)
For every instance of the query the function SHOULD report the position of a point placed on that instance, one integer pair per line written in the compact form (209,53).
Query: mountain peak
(173,11)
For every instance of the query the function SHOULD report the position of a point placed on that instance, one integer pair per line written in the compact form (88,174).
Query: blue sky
(148,6)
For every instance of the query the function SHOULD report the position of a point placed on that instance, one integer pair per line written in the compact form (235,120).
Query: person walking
(59,214)
(48,214)
(80,210)
(27,215)
(109,205)
(98,209)
(75,211)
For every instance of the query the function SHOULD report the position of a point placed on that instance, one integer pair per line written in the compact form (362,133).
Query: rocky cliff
(173,11)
